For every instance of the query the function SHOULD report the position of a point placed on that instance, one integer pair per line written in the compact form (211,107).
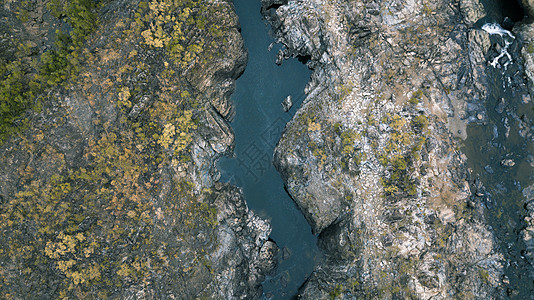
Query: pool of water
(258,124)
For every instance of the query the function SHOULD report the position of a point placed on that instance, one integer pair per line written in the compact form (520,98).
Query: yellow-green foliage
(124,97)
(79,14)
(416,97)
(319,153)
(176,134)
(427,10)
(401,153)
(19,83)
(348,137)
(63,62)
(344,90)
(350,154)
(59,64)
(109,188)
(92,229)
(391,284)
(114,191)
(484,274)
(336,292)
(420,123)
(166,24)
(314,126)
(18,87)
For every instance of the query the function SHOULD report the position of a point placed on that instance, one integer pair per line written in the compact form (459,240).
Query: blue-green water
(258,124)
(488,145)
(260,120)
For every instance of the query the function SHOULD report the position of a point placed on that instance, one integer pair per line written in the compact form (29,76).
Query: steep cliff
(371,158)
(107,178)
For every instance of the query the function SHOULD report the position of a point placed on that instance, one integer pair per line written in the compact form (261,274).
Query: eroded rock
(368,157)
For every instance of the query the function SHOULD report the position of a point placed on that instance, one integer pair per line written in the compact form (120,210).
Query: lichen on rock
(370,157)
(111,191)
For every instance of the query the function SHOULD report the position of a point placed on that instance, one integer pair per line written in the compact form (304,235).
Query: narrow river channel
(500,157)
(500,153)
(258,124)
(491,145)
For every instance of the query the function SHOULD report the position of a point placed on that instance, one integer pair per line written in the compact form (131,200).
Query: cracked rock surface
(371,156)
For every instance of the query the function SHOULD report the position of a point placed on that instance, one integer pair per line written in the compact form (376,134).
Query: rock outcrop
(110,191)
(528,231)
(526,125)
(371,157)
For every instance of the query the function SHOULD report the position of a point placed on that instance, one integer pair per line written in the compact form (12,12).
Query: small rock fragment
(287,103)
(499,108)
(507,163)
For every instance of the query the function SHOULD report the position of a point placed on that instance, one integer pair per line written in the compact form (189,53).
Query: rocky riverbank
(372,157)
(526,34)
(109,189)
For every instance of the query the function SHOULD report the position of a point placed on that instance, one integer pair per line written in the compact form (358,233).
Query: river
(501,156)
(491,146)
(260,120)
(258,124)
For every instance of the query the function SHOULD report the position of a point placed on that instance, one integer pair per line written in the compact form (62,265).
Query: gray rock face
(528,232)
(526,33)
(112,192)
(370,156)
(244,254)
(529,8)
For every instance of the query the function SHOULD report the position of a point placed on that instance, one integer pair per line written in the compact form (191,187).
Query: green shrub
(55,65)
(336,292)
(17,90)
(61,63)
(420,123)
(19,83)
(81,16)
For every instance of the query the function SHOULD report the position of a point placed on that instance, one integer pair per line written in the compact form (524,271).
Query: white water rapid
(508,38)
